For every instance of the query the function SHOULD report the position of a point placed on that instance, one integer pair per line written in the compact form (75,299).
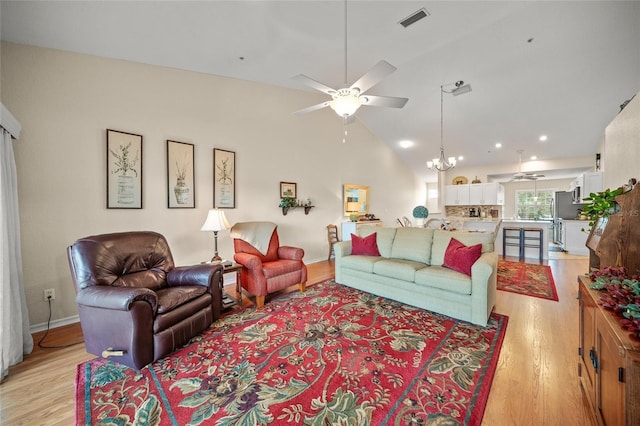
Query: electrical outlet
(49,294)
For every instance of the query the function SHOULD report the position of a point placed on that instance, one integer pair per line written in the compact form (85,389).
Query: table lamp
(216,221)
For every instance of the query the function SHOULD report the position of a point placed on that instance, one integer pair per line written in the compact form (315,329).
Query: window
(528,208)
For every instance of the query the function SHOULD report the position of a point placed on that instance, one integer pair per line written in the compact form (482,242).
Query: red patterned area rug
(332,355)
(528,279)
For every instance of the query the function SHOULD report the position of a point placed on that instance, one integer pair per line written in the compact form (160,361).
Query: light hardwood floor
(535,383)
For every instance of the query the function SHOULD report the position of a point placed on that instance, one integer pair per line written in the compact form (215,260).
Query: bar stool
(536,240)
(507,235)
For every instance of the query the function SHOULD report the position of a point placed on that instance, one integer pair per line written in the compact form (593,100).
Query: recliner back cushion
(441,242)
(384,237)
(125,259)
(412,244)
(241,246)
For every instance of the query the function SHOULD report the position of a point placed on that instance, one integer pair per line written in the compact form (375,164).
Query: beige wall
(621,147)
(65,102)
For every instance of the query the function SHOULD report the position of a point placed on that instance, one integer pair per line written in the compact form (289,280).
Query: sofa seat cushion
(444,279)
(398,268)
(360,263)
(171,297)
(412,244)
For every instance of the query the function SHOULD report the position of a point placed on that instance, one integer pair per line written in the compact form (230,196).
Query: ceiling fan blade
(374,76)
(315,84)
(312,108)
(383,101)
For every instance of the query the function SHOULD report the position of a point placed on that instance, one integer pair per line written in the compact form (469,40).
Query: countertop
(528,221)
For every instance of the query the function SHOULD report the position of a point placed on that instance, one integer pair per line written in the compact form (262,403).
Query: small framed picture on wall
(224,179)
(288,190)
(181,190)
(124,170)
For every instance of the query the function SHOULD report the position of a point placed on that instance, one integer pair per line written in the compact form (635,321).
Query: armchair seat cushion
(179,313)
(280,267)
(172,297)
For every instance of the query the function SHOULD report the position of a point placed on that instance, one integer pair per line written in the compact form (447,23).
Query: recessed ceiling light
(534,157)
(406,144)
(460,158)
(498,145)
(543,138)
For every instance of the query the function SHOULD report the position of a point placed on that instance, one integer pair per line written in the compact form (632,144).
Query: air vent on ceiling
(414,17)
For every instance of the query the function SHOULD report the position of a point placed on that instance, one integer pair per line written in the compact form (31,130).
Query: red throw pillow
(366,246)
(460,257)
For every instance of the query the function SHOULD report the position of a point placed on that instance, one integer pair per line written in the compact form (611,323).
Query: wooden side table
(228,300)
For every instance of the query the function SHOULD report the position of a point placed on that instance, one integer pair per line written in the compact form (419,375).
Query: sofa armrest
(115,298)
(194,275)
(484,286)
(342,248)
(290,253)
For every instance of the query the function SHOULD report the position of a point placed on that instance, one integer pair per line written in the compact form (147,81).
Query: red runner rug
(332,355)
(528,279)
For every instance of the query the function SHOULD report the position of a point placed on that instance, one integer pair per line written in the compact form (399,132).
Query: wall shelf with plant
(287,203)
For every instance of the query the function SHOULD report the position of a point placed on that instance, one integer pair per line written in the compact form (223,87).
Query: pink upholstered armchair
(267,267)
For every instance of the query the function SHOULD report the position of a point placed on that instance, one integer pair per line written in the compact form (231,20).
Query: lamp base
(216,258)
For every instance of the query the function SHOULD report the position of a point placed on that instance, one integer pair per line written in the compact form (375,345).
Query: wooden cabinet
(609,362)
(456,195)
(489,194)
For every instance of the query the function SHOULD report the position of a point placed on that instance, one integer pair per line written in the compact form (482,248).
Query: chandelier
(443,163)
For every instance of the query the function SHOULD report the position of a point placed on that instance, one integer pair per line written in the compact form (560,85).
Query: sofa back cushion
(412,244)
(384,237)
(441,242)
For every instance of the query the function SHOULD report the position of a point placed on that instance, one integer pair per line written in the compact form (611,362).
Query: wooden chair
(332,238)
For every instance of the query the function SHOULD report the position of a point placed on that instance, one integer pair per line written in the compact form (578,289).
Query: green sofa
(409,270)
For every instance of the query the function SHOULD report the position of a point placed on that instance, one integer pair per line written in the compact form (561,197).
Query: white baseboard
(34,328)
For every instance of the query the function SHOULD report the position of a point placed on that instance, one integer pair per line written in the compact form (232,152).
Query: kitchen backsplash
(463,211)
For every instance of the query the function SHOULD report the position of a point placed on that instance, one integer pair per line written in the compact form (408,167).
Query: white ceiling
(543,67)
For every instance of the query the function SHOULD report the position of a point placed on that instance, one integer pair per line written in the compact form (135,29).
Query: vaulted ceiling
(560,69)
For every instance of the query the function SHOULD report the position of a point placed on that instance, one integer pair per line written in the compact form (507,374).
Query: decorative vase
(126,186)
(182,192)
(353,217)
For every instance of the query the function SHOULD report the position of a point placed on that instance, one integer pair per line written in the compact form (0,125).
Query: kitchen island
(529,252)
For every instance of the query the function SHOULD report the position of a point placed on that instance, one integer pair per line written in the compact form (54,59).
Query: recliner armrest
(117,298)
(291,253)
(193,275)
(247,260)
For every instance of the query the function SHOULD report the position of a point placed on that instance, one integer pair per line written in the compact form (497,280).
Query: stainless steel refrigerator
(563,208)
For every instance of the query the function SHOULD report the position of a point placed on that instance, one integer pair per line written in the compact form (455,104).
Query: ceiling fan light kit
(346,101)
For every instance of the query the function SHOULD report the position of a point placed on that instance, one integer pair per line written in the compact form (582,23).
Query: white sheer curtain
(15,338)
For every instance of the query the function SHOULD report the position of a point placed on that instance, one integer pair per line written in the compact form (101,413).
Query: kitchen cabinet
(574,239)
(489,194)
(456,195)
(591,183)
(609,362)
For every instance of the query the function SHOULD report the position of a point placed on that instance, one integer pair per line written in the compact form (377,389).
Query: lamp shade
(216,221)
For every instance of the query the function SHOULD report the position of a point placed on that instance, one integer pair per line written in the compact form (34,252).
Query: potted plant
(601,204)
(420,212)
(286,203)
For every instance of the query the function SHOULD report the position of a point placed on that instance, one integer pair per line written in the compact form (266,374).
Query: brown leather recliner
(131,297)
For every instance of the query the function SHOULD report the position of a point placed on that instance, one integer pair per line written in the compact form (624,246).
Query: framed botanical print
(181,190)
(224,179)
(288,190)
(124,170)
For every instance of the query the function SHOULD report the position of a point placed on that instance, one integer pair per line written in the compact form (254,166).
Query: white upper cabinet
(489,194)
(456,195)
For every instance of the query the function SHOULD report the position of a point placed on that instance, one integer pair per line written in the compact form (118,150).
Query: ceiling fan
(524,176)
(346,101)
